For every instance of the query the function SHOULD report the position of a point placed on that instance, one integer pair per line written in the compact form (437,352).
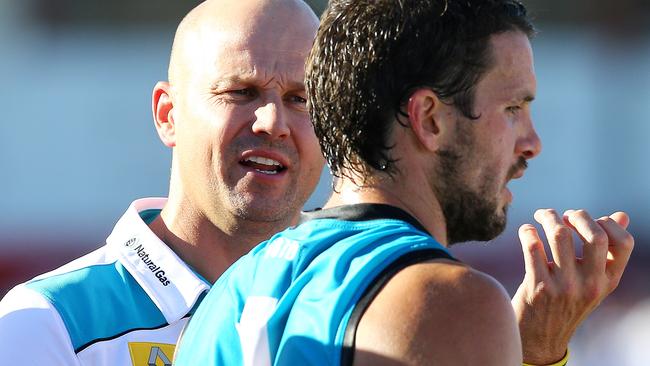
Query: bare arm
(440,313)
(557,295)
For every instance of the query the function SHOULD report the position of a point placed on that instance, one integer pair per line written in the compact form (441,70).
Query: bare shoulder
(440,312)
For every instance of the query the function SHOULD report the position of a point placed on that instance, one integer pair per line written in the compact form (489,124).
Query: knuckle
(528,234)
(628,241)
(546,290)
(593,292)
(528,228)
(549,212)
(531,248)
(557,293)
(561,234)
(605,219)
(598,238)
(545,213)
(568,290)
(582,213)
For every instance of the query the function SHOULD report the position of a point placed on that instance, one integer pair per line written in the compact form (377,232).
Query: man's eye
(247,92)
(298,99)
(513,109)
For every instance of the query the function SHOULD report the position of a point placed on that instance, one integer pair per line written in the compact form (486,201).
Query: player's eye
(513,109)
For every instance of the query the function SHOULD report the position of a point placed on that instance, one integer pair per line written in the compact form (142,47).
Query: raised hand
(557,295)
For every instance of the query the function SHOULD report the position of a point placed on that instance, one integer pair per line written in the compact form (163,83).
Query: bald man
(245,159)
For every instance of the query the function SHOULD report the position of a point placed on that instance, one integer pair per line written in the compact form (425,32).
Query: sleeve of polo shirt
(32,331)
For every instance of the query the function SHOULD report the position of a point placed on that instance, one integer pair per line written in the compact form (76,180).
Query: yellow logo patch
(151,354)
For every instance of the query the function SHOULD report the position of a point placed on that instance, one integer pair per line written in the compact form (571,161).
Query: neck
(209,247)
(406,194)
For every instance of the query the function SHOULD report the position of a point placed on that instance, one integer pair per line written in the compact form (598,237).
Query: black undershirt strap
(347,352)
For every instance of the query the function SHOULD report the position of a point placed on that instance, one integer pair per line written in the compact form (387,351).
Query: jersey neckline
(362,212)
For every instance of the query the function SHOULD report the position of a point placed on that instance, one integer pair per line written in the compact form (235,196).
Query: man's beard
(469,214)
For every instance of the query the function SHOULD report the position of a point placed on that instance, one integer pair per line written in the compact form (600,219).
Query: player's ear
(163,107)
(424,111)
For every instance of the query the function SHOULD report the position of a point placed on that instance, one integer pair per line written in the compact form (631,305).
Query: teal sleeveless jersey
(296,298)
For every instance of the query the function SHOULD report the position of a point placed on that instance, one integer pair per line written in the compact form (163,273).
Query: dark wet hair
(369,56)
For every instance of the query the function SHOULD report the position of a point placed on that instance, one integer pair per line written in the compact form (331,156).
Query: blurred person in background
(422,109)
(244,161)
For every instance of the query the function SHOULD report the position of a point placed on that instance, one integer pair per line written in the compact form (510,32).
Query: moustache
(254,142)
(520,165)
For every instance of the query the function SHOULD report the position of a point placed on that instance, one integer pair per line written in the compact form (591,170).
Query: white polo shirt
(123,304)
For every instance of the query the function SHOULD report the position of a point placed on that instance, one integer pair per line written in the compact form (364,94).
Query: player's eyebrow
(524,97)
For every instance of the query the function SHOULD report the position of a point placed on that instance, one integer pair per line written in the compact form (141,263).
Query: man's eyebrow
(228,81)
(523,96)
(296,86)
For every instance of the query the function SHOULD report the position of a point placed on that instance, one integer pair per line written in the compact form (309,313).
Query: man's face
(245,146)
(486,153)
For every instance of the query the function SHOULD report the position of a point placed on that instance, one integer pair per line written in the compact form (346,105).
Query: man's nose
(270,120)
(529,144)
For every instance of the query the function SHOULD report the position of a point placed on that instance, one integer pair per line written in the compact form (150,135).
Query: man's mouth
(263,165)
(517,170)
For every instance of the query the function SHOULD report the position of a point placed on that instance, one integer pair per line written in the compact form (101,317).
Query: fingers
(621,218)
(559,236)
(621,243)
(550,312)
(594,237)
(607,245)
(535,260)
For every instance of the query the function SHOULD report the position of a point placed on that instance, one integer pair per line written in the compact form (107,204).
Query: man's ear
(162,107)
(424,111)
